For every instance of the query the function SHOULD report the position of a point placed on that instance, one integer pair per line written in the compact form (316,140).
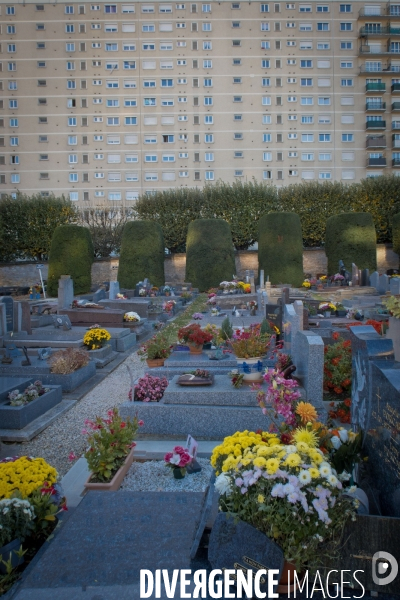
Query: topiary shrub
(280,248)
(142,254)
(209,253)
(71,253)
(396,233)
(350,237)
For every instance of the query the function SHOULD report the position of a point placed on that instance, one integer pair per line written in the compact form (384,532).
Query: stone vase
(115,483)
(393,333)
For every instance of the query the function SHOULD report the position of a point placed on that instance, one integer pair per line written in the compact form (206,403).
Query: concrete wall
(314,261)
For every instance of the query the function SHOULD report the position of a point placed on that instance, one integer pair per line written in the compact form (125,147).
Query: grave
(309,361)
(355,275)
(3,322)
(8,384)
(374,280)
(91,316)
(17,417)
(220,393)
(47,336)
(98,295)
(151,530)
(8,304)
(138,305)
(26,317)
(65,292)
(182,361)
(365,281)
(114,290)
(384,284)
(274,314)
(291,325)
(394,286)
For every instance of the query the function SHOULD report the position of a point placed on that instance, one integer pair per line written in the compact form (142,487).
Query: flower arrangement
(169,305)
(306,284)
(202,373)
(95,338)
(186,295)
(109,442)
(236,378)
(16,520)
(249,343)
(337,366)
(289,492)
(33,391)
(142,292)
(341,410)
(149,388)
(281,395)
(244,288)
(131,317)
(121,297)
(156,347)
(224,456)
(69,360)
(215,331)
(253,304)
(179,458)
(323,278)
(337,277)
(392,303)
(167,288)
(197,316)
(344,447)
(194,334)
(212,301)
(327,306)
(23,475)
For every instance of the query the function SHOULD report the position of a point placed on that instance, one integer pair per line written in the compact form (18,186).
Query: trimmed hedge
(209,253)
(142,254)
(396,233)
(71,253)
(351,237)
(280,248)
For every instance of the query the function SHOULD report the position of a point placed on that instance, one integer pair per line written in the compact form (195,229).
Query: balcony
(395,87)
(365,12)
(376,105)
(395,106)
(384,68)
(375,124)
(378,141)
(379,31)
(377,87)
(376,162)
(395,162)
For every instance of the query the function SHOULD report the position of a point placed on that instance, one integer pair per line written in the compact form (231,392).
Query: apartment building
(104,102)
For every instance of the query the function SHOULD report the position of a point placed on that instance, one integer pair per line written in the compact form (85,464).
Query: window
(307,137)
(207,64)
(97,82)
(206,8)
(128,47)
(207,45)
(324,101)
(168,158)
(129,83)
(346,45)
(149,83)
(265,45)
(347,137)
(112,84)
(209,175)
(324,119)
(322,26)
(129,64)
(11,48)
(324,137)
(110,8)
(73,177)
(209,138)
(306,82)
(71,84)
(290,25)
(264,8)
(110,27)
(150,158)
(11,29)
(346,64)
(325,175)
(167,102)
(167,83)
(237,61)
(266,137)
(345,8)
(264,26)
(290,99)
(292,136)
(346,27)
(265,64)
(323,46)
(324,156)
(323,9)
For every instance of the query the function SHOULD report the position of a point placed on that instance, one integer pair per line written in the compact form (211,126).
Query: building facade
(104,102)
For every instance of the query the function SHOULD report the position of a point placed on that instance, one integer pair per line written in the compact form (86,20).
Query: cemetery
(224,423)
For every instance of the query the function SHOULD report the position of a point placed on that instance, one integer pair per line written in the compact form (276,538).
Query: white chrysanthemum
(332,479)
(223,484)
(325,471)
(304,477)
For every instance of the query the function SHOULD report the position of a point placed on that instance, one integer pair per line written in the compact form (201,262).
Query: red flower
(347,402)
(140,423)
(123,425)
(335,336)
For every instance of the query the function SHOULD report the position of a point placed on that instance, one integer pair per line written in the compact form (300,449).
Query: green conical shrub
(350,237)
(396,233)
(280,248)
(142,254)
(209,253)
(71,253)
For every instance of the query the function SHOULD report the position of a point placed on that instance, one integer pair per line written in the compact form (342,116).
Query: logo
(384,568)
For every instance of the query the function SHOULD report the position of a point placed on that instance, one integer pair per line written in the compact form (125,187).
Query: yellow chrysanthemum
(302,447)
(274,441)
(272,465)
(293,460)
(306,412)
(260,498)
(314,472)
(316,457)
(304,435)
(259,462)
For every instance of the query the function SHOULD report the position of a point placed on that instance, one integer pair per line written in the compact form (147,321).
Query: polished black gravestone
(112,535)
(9,307)
(367,345)
(237,545)
(382,435)
(362,540)
(273,313)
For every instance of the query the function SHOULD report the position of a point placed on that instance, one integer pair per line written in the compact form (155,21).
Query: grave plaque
(8,303)
(239,546)
(65,291)
(273,313)
(365,277)
(114,290)
(62,321)
(285,295)
(374,280)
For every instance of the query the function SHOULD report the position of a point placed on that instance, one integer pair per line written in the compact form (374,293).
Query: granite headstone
(384,284)
(3,322)
(395,286)
(114,290)
(8,304)
(26,317)
(17,317)
(374,280)
(273,313)
(365,277)
(291,325)
(237,545)
(261,278)
(309,360)
(65,291)
(355,275)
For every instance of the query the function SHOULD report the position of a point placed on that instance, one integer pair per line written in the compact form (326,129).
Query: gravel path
(154,476)
(64,435)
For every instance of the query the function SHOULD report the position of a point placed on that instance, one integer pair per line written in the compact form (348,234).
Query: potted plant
(131,317)
(155,351)
(16,523)
(149,389)
(95,338)
(327,308)
(177,460)
(110,450)
(340,310)
(337,366)
(194,336)
(253,308)
(167,290)
(289,492)
(186,297)
(250,347)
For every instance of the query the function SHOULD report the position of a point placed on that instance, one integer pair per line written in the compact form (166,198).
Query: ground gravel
(64,435)
(155,476)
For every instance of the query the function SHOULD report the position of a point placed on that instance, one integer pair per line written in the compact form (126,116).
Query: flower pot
(179,473)
(252,367)
(115,483)
(167,293)
(327,313)
(155,362)
(195,349)
(11,548)
(207,346)
(253,312)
